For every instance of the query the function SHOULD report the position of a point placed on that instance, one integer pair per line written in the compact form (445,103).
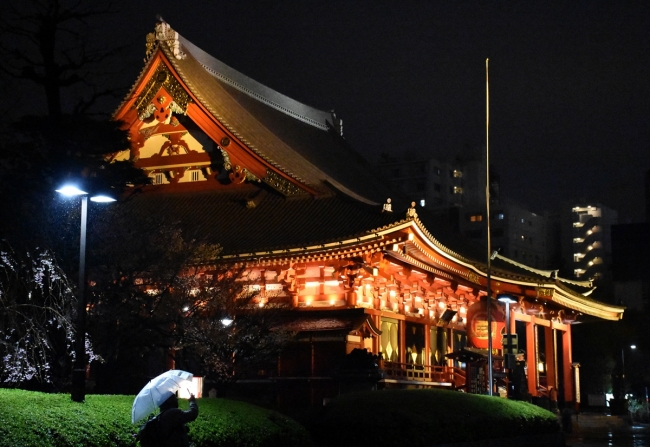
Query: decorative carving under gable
(165,35)
(162,78)
(239,175)
(226,159)
(280,184)
(175,144)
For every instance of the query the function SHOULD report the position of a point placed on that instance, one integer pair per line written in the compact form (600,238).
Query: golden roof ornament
(388,207)
(164,34)
(411,213)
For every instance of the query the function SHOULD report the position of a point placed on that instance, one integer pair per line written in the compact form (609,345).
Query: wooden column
(531,356)
(402,341)
(551,357)
(376,341)
(567,362)
(427,345)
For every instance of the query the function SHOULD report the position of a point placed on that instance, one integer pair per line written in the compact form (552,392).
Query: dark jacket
(173,420)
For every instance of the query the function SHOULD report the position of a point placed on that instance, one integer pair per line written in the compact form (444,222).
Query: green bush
(424,417)
(29,419)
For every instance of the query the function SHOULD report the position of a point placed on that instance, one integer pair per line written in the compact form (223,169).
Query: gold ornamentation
(226,159)
(280,184)
(545,292)
(162,78)
(150,45)
(250,176)
(473,277)
(165,34)
(411,213)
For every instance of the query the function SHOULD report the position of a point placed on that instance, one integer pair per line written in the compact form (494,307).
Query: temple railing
(443,375)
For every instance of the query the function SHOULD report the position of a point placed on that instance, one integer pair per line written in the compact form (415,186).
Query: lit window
(500,216)
(476,218)
(457,174)
(158,179)
(422,201)
(458,190)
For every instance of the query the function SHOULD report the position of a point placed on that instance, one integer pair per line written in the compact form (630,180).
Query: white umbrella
(157,391)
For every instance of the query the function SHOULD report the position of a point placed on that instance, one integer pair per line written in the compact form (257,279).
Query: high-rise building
(432,183)
(516,232)
(587,244)
(459,186)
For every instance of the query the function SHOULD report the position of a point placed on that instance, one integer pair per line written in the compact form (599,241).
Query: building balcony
(427,376)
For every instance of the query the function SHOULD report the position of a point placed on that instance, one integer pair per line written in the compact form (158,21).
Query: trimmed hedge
(424,418)
(31,419)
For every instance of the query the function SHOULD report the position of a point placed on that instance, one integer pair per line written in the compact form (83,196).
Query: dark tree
(50,43)
(158,296)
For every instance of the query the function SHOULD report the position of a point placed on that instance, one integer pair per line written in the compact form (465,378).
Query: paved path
(598,430)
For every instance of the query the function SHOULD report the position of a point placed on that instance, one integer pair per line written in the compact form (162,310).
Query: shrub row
(424,418)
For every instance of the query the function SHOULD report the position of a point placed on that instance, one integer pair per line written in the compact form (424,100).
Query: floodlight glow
(102,199)
(226,321)
(70,191)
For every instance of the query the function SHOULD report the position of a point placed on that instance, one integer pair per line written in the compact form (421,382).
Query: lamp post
(623,368)
(509,356)
(78,393)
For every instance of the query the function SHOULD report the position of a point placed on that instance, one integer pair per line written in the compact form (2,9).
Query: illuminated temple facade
(274,182)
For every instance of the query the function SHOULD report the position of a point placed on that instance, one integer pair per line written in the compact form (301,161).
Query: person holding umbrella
(168,428)
(173,420)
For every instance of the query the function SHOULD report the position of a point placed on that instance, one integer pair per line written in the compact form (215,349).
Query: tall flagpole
(487,208)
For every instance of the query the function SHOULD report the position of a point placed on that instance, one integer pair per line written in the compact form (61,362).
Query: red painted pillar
(531,356)
(567,362)
(427,345)
(551,356)
(402,341)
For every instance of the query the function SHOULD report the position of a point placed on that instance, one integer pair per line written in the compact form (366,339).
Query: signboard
(477,379)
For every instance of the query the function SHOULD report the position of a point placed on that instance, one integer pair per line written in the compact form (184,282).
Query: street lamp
(509,356)
(79,371)
(623,366)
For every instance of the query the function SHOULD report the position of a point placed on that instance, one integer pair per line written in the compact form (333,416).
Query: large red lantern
(477,328)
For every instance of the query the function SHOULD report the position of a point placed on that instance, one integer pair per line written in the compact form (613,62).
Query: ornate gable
(178,143)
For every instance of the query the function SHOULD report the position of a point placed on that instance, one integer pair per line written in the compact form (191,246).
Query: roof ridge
(256,90)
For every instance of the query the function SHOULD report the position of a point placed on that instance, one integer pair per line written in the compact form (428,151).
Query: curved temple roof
(301,141)
(304,143)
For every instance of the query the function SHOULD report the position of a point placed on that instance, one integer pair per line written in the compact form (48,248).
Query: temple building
(275,183)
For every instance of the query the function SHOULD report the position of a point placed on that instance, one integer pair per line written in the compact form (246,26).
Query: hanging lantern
(477,328)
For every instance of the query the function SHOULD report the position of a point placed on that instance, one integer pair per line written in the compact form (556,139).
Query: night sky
(569,81)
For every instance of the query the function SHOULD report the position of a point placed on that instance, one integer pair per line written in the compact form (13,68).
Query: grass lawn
(30,419)
(372,419)
(424,418)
